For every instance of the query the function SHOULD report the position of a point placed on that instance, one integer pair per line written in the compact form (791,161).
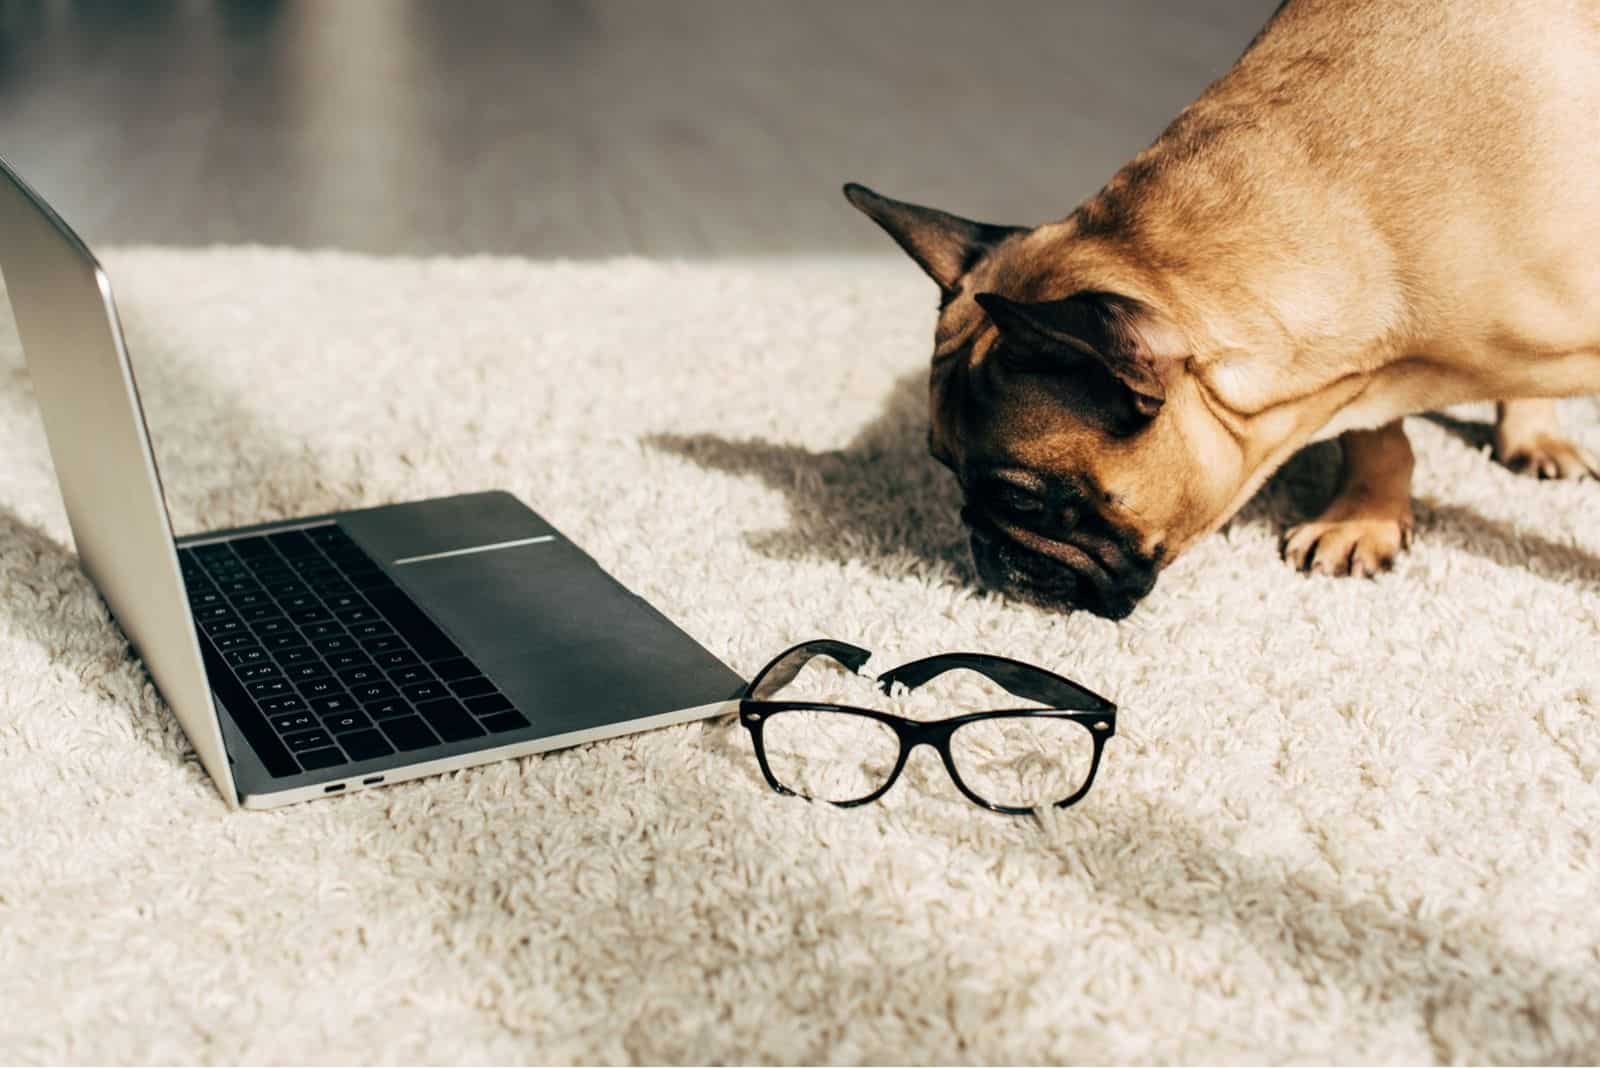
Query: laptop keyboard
(322,660)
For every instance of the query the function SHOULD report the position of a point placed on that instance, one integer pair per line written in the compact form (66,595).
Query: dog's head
(1087,456)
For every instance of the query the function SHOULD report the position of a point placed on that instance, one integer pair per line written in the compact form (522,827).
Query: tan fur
(1385,207)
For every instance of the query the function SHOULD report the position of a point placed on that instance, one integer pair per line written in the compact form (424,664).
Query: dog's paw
(1546,456)
(1361,547)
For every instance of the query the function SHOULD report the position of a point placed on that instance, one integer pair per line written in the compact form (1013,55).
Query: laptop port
(372,780)
(333,789)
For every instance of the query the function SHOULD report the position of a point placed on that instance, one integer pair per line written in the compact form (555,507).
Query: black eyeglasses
(1008,760)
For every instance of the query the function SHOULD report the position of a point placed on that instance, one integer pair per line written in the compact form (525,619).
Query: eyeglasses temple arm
(786,665)
(1015,677)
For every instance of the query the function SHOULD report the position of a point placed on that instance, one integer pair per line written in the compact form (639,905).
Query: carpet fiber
(1342,820)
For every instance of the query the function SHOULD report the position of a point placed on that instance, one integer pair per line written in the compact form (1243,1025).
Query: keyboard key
(250,654)
(408,733)
(425,691)
(397,658)
(252,672)
(326,686)
(240,585)
(258,612)
(351,616)
(389,708)
(458,668)
(371,628)
(320,758)
(504,721)
(474,687)
(331,587)
(213,611)
(295,655)
(221,628)
(450,720)
(203,598)
(333,704)
(305,672)
(303,616)
(328,629)
(347,600)
(286,588)
(287,722)
(269,688)
(345,721)
(307,740)
(426,638)
(250,600)
(279,642)
(268,627)
(349,658)
(383,644)
(299,601)
(336,644)
(411,673)
(483,706)
(365,745)
(288,703)
(372,691)
(224,642)
(356,676)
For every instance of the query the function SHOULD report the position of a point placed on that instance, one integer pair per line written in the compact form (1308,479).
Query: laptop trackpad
(567,643)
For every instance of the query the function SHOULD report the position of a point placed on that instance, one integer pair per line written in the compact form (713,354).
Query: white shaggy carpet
(1342,820)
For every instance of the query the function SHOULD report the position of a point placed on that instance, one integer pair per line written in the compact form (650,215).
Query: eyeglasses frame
(1099,718)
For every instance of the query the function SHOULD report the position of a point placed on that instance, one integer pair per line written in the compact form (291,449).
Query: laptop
(332,653)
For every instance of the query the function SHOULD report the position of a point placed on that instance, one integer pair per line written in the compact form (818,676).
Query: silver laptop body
(331,653)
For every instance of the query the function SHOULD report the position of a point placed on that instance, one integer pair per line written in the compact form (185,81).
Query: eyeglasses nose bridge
(913,739)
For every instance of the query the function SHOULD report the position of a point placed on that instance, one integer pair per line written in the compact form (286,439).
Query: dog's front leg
(1368,522)
(1528,438)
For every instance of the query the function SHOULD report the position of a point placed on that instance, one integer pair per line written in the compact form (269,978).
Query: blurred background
(585,127)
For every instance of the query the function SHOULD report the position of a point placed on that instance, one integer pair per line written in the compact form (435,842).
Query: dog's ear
(1125,337)
(945,246)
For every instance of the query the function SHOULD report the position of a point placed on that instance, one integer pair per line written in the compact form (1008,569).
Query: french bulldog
(1384,207)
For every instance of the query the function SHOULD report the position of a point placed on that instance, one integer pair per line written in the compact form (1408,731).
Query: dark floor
(574,128)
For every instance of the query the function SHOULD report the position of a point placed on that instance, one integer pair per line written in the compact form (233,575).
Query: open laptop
(333,653)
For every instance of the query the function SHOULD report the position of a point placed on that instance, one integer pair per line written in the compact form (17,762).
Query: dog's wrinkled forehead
(1017,266)
(980,403)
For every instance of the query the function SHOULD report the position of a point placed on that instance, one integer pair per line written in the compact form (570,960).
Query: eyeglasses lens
(1023,761)
(829,756)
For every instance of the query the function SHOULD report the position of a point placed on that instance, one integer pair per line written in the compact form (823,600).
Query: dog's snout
(1034,548)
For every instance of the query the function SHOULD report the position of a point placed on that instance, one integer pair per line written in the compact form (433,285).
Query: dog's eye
(1015,499)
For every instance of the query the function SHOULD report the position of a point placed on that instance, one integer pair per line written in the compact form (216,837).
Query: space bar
(403,614)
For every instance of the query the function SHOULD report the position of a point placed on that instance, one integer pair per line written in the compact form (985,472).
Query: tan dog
(1386,206)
